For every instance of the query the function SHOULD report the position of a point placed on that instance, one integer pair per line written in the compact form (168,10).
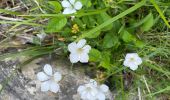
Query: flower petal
(133,66)
(48,69)
(126,63)
(45,86)
(81,43)
(86,95)
(65,3)
(72,2)
(78,5)
(84,57)
(80,89)
(104,88)
(74,58)
(54,87)
(72,47)
(100,96)
(69,10)
(57,76)
(42,76)
(87,48)
(138,61)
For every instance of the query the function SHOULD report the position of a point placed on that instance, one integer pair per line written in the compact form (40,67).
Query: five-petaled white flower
(91,91)
(71,6)
(49,80)
(132,60)
(79,51)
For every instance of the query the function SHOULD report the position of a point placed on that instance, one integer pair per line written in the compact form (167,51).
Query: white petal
(81,43)
(78,5)
(54,87)
(84,95)
(69,10)
(133,66)
(100,96)
(84,57)
(87,48)
(57,76)
(104,88)
(65,3)
(72,2)
(80,89)
(42,76)
(93,82)
(128,56)
(126,63)
(48,69)
(45,86)
(138,61)
(74,58)
(89,96)
(72,47)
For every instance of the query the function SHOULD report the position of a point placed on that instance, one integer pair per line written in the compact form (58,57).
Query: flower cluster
(49,80)
(92,91)
(79,52)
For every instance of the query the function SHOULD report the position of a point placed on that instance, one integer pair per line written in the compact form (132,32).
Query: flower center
(132,59)
(89,89)
(79,50)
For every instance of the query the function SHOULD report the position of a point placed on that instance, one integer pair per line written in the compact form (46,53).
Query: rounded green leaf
(94,55)
(56,24)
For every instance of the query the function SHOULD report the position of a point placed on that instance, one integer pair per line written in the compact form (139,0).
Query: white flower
(91,91)
(132,60)
(71,6)
(49,80)
(79,51)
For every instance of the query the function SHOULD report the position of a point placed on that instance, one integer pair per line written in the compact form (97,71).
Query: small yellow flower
(75,28)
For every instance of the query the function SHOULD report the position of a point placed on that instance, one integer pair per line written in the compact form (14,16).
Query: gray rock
(25,86)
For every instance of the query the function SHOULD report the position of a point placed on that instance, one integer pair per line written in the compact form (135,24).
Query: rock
(25,86)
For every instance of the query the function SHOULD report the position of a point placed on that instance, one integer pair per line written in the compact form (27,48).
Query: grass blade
(138,5)
(160,12)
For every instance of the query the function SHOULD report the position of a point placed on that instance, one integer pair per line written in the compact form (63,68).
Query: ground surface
(25,86)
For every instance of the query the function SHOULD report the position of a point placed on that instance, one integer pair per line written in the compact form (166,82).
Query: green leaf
(110,40)
(101,18)
(127,37)
(56,5)
(94,55)
(86,3)
(105,61)
(89,21)
(149,22)
(56,24)
(79,22)
(139,44)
